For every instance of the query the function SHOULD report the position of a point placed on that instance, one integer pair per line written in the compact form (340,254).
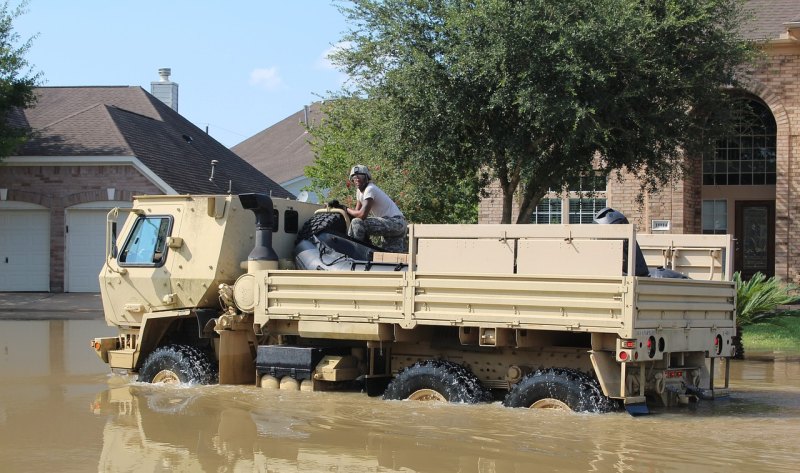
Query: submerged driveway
(50,306)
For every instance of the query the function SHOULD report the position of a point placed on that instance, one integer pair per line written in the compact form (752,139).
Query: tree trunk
(508,202)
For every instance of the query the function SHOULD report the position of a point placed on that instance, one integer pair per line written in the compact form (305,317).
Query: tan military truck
(542,316)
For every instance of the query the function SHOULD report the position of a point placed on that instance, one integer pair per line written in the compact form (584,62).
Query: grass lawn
(780,333)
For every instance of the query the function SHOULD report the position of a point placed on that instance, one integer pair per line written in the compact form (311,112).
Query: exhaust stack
(263,255)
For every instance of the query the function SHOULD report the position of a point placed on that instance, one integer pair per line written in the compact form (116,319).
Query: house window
(715,217)
(583,210)
(748,156)
(586,195)
(548,211)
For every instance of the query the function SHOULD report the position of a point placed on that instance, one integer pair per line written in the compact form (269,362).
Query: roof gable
(56,103)
(128,121)
(88,132)
(283,149)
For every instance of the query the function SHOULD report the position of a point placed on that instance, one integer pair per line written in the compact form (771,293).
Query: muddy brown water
(61,410)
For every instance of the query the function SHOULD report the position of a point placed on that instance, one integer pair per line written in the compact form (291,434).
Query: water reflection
(49,347)
(224,428)
(61,410)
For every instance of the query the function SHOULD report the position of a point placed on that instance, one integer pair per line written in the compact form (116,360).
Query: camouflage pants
(392,229)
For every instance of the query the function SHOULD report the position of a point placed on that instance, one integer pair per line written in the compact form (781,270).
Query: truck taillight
(718,344)
(673,374)
(626,350)
(651,347)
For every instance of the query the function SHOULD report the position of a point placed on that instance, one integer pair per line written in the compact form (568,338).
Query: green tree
(359,131)
(17,81)
(538,91)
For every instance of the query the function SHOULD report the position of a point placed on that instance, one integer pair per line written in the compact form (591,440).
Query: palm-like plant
(757,299)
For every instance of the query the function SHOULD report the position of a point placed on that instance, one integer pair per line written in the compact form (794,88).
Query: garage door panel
(25,250)
(86,230)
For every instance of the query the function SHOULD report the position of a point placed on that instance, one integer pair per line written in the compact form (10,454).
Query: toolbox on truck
(297,362)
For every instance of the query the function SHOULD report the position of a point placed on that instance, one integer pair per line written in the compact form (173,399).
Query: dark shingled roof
(282,150)
(769,16)
(128,121)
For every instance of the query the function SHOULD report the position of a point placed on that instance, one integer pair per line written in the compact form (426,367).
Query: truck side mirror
(114,240)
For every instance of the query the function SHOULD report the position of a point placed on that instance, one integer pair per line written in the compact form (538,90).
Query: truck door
(144,257)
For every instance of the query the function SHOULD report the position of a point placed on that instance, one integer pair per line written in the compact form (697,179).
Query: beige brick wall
(59,187)
(679,202)
(778,85)
(490,209)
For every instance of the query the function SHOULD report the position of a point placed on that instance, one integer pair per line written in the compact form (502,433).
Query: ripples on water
(61,411)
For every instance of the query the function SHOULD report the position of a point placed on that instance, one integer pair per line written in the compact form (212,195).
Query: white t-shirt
(382,204)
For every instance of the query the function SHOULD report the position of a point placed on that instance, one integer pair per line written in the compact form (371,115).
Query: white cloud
(268,78)
(324,61)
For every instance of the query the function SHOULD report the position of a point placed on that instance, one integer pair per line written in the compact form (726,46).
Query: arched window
(748,156)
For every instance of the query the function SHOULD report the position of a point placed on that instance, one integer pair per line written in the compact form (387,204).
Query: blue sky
(241,65)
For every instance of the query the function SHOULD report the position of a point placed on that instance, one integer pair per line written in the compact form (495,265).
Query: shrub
(758,298)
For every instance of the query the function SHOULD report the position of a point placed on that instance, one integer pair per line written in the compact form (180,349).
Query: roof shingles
(127,121)
(282,150)
(769,18)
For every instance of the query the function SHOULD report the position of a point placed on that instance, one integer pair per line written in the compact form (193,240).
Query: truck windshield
(146,244)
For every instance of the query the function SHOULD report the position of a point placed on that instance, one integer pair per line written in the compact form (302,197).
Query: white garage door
(24,247)
(85,248)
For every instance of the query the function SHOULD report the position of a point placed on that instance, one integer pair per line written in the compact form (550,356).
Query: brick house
(94,148)
(748,188)
(283,150)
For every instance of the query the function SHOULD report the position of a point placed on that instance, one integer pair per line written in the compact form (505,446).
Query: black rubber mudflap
(376,385)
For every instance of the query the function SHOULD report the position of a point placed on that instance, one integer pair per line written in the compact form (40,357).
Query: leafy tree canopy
(535,92)
(16,80)
(360,131)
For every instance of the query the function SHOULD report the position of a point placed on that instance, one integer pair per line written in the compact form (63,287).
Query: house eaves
(91,161)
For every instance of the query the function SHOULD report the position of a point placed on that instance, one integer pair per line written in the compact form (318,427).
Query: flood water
(61,410)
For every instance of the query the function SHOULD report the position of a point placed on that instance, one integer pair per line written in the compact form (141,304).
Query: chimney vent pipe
(164,89)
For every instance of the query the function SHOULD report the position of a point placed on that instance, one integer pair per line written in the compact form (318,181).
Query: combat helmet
(360,169)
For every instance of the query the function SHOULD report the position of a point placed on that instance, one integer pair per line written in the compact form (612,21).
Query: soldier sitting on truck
(375,214)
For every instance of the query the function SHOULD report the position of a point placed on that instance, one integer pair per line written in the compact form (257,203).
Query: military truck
(270,292)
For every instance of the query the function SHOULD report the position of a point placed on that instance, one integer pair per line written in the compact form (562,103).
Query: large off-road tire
(437,380)
(558,388)
(322,222)
(175,364)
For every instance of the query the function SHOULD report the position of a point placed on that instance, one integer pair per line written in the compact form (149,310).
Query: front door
(755,238)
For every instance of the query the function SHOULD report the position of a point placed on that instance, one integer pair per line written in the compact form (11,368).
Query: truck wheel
(175,364)
(437,380)
(557,388)
(322,222)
